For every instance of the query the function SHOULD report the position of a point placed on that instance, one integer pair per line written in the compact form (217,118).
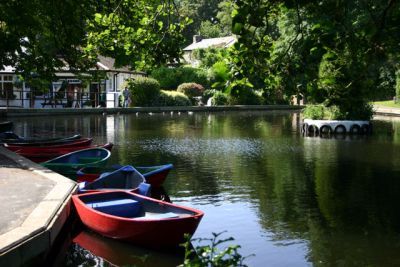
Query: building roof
(103,63)
(7,69)
(220,42)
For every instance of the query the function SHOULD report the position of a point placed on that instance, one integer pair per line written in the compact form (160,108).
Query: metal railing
(25,99)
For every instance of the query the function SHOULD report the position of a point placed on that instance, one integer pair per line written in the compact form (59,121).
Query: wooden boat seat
(119,207)
(156,216)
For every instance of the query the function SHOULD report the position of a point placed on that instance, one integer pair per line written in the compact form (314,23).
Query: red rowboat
(12,138)
(154,175)
(138,219)
(73,143)
(42,154)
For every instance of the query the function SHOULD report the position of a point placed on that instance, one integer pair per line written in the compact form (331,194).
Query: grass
(387,103)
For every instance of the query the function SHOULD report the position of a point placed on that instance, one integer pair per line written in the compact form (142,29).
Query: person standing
(78,96)
(127,97)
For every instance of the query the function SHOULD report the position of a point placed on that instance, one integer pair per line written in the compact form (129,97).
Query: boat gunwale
(198,214)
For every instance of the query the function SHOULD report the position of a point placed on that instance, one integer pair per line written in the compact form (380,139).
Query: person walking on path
(127,97)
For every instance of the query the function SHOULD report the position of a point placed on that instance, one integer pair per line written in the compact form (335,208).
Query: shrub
(166,77)
(172,98)
(219,99)
(321,112)
(191,89)
(171,78)
(219,75)
(144,91)
(245,97)
(314,112)
(212,255)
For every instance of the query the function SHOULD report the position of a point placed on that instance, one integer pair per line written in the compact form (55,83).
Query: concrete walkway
(35,204)
(388,111)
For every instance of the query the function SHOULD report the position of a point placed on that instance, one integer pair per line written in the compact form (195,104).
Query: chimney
(197,38)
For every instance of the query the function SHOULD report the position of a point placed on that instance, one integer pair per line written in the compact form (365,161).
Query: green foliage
(142,34)
(191,90)
(38,36)
(219,99)
(321,112)
(245,97)
(198,11)
(209,56)
(398,84)
(336,52)
(314,112)
(144,91)
(171,78)
(210,30)
(219,75)
(211,255)
(172,98)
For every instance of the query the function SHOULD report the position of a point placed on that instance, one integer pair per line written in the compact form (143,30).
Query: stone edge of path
(17,112)
(39,230)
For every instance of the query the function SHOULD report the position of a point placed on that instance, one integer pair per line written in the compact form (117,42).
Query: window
(6,86)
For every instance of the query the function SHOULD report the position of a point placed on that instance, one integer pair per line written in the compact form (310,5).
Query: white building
(68,90)
(200,43)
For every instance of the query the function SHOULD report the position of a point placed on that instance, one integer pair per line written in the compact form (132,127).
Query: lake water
(289,200)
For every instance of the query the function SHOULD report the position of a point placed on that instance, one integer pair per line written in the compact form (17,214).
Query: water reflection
(91,249)
(293,201)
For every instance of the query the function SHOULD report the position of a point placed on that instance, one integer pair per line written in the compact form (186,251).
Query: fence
(25,99)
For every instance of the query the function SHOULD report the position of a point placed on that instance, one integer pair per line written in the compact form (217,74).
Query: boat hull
(168,232)
(11,138)
(40,154)
(154,175)
(70,163)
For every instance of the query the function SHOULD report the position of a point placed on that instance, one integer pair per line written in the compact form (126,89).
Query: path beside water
(35,204)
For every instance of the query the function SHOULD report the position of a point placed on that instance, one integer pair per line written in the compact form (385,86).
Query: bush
(144,91)
(172,98)
(314,112)
(171,78)
(245,97)
(191,89)
(212,255)
(166,77)
(219,75)
(219,99)
(321,112)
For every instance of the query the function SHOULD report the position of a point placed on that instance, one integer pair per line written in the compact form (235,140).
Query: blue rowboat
(154,175)
(126,177)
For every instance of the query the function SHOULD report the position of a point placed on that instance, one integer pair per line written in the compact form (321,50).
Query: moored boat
(68,164)
(12,138)
(126,177)
(38,148)
(42,154)
(138,219)
(154,175)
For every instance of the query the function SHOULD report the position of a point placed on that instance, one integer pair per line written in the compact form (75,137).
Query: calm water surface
(290,200)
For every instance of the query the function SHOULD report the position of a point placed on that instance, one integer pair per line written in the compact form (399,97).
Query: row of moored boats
(114,201)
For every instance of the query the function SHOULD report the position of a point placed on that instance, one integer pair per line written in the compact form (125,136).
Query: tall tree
(40,36)
(142,34)
(332,50)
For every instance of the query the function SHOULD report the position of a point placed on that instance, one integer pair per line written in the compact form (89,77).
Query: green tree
(327,50)
(39,36)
